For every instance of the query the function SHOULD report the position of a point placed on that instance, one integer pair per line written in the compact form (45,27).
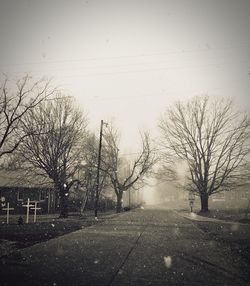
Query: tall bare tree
(134,176)
(16,100)
(54,146)
(212,138)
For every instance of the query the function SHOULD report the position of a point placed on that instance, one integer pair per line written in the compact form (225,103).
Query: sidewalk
(195,217)
(14,237)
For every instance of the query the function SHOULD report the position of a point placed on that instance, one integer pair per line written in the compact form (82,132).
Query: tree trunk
(84,202)
(96,203)
(63,203)
(119,202)
(204,202)
(92,198)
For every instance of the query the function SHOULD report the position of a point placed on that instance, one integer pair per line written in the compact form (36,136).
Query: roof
(23,179)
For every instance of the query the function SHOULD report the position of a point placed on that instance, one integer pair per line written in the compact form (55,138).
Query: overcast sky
(128,60)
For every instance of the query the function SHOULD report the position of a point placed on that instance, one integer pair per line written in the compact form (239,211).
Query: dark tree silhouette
(56,131)
(212,138)
(16,101)
(135,175)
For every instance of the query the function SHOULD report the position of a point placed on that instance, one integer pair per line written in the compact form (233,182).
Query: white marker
(8,209)
(28,206)
(35,209)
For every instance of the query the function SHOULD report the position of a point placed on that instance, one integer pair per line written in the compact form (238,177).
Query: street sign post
(191,198)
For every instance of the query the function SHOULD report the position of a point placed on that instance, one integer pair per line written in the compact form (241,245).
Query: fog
(127,60)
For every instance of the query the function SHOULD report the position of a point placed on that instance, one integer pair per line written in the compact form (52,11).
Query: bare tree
(15,102)
(166,172)
(212,138)
(54,146)
(134,176)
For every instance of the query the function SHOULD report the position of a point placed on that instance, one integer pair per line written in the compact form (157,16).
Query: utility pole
(129,190)
(98,170)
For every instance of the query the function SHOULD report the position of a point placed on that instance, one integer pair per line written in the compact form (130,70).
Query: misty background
(126,61)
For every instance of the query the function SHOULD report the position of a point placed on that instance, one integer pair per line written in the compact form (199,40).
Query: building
(232,198)
(16,186)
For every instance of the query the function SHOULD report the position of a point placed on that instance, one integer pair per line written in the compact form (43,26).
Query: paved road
(142,247)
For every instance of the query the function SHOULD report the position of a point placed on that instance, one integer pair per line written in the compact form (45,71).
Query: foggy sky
(128,60)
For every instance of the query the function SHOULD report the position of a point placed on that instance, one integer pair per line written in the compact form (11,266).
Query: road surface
(140,247)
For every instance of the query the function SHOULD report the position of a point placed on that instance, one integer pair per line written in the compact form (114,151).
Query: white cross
(35,209)
(28,206)
(8,209)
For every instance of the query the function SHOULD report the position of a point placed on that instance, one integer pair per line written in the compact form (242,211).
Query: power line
(129,65)
(132,56)
(216,65)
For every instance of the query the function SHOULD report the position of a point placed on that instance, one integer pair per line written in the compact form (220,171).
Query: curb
(195,217)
